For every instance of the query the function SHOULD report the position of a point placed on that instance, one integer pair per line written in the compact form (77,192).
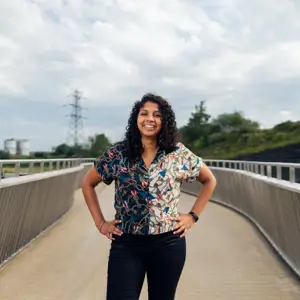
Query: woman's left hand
(185,222)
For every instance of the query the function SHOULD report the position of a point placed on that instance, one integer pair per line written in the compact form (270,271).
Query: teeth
(149,126)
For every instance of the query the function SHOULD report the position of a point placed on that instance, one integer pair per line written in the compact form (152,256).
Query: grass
(231,151)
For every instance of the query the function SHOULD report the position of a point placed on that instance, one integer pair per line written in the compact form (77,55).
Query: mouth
(149,127)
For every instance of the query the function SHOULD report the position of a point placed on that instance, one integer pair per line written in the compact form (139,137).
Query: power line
(75,133)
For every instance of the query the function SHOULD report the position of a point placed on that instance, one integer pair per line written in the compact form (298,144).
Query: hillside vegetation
(231,134)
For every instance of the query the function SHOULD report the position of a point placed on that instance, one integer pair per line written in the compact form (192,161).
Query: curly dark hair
(168,135)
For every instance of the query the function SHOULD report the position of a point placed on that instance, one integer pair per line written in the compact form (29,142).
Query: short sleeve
(107,164)
(190,164)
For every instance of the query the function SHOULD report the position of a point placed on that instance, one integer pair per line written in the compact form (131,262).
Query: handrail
(281,171)
(18,167)
(9,161)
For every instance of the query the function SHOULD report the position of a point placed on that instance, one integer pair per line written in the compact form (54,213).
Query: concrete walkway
(227,259)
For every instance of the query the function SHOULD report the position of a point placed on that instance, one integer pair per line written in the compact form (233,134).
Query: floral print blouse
(146,198)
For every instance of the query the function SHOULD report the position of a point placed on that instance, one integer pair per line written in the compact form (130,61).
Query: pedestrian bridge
(246,245)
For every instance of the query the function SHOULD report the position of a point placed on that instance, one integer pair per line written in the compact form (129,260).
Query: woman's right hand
(108,228)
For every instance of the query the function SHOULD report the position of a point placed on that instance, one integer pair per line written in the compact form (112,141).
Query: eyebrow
(148,110)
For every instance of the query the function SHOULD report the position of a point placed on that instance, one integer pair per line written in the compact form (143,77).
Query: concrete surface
(272,205)
(227,259)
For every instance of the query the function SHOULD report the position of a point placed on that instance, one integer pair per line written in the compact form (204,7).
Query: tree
(235,122)
(197,126)
(4,154)
(98,144)
(64,150)
(199,117)
(287,126)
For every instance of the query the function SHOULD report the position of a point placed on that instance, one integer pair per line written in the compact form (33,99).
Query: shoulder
(117,148)
(180,148)
(184,152)
(112,153)
(176,151)
(179,152)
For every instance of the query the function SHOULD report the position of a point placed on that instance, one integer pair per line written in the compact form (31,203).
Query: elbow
(212,181)
(90,180)
(209,181)
(86,184)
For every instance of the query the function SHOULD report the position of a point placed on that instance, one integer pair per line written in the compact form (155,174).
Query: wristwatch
(196,218)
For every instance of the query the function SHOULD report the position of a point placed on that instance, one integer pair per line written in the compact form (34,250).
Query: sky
(237,55)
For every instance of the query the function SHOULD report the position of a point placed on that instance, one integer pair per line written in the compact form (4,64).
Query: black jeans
(161,257)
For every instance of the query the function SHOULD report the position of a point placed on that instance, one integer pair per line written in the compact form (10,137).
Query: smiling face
(149,120)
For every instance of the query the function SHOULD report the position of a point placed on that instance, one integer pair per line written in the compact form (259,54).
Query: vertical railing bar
(269,170)
(292,174)
(261,169)
(17,169)
(278,172)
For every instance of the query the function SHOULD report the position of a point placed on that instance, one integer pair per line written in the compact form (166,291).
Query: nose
(150,117)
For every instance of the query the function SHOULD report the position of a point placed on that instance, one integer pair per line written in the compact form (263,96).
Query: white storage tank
(10,145)
(23,147)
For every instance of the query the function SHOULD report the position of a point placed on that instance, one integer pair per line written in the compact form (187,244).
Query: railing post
(269,171)
(17,169)
(292,174)
(262,170)
(30,168)
(278,172)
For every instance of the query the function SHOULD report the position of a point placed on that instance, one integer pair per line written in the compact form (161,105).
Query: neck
(149,144)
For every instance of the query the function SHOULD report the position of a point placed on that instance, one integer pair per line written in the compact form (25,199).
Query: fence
(19,167)
(283,171)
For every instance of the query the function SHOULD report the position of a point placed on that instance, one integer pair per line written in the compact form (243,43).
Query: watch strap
(196,218)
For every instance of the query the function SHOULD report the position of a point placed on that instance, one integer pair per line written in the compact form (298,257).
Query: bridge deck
(227,259)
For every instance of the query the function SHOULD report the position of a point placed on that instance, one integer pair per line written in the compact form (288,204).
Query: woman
(148,233)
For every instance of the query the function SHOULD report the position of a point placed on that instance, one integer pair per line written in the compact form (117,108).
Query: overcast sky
(234,54)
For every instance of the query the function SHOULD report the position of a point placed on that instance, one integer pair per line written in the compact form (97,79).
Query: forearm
(92,202)
(204,196)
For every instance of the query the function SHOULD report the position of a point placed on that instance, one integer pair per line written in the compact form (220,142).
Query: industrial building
(17,147)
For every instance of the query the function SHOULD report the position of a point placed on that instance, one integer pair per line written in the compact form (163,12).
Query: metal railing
(283,171)
(20,167)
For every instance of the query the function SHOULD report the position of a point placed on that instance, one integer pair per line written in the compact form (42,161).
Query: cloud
(235,54)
